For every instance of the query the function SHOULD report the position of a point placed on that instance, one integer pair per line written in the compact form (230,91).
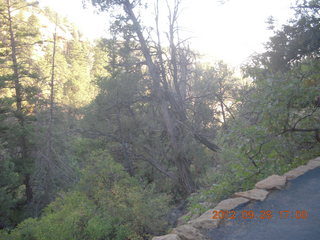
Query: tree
(35,115)
(278,110)
(169,77)
(65,63)
(18,74)
(217,91)
(106,204)
(8,188)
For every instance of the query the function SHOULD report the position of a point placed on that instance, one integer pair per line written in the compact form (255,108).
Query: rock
(188,232)
(274,181)
(294,173)
(231,203)
(316,159)
(205,221)
(167,237)
(254,194)
(312,164)
(183,219)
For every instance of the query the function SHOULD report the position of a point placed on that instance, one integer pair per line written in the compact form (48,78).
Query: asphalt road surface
(289,214)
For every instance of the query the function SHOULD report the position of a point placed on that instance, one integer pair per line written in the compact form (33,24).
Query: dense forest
(106,140)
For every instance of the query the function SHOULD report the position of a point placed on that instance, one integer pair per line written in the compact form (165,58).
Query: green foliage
(24,131)
(19,33)
(73,84)
(276,125)
(9,187)
(111,163)
(107,204)
(121,196)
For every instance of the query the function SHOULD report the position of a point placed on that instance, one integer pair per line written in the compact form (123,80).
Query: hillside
(118,138)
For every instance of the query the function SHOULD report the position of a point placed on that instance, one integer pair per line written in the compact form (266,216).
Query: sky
(230,32)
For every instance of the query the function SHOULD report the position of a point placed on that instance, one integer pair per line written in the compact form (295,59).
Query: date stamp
(263,214)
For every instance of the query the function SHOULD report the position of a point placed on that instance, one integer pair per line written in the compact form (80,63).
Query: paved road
(302,193)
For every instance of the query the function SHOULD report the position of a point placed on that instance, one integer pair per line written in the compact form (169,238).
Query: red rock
(274,181)
(231,203)
(253,194)
(167,237)
(294,173)
(188,232)
(205,221)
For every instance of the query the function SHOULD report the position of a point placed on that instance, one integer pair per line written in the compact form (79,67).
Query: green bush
(106,204)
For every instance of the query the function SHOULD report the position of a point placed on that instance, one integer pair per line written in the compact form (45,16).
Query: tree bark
(184,176)
(49,151)
(19,110)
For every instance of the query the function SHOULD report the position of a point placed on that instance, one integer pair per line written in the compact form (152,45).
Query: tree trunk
(183,173)
(48,175)
(19,111)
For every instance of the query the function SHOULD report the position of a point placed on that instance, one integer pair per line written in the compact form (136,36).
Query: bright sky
(229,32)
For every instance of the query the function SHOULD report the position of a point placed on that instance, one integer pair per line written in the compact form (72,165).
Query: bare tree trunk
(52,84)
(48,177)
(223,112)
(222,102)
(184,176)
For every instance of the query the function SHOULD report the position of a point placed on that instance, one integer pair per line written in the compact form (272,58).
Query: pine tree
(18,74)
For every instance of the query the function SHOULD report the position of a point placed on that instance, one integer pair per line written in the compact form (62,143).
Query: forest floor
(301,195)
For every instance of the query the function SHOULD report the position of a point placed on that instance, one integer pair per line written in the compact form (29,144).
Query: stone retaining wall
(193,229)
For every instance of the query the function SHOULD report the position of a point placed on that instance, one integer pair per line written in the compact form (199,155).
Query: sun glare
(229,31)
